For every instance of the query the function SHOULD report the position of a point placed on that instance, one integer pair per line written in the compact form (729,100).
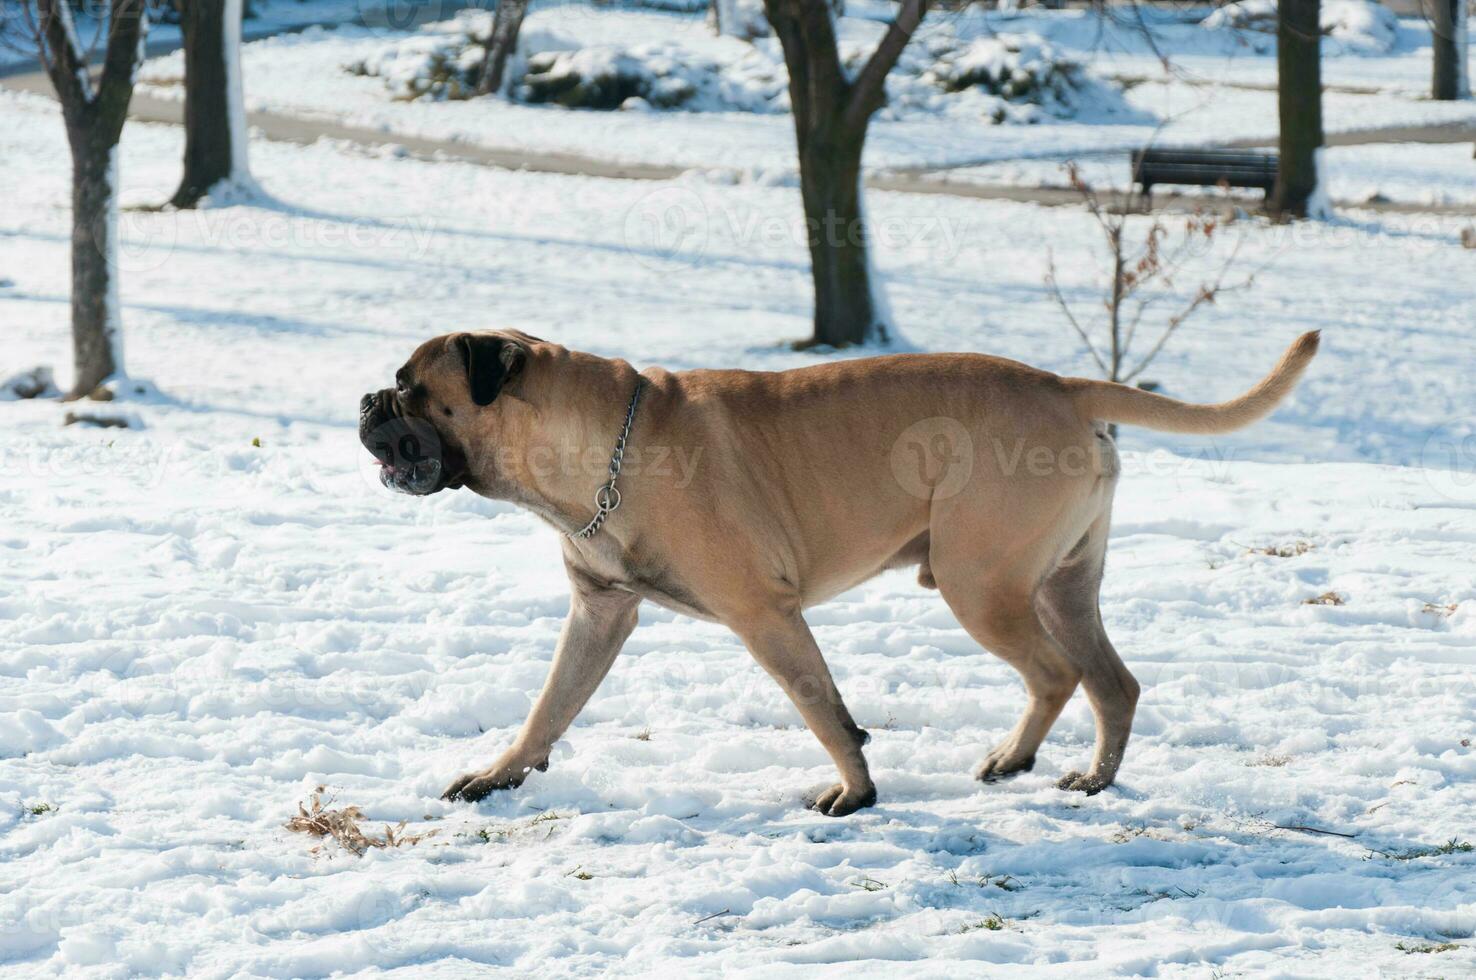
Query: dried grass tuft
(1283,550)
(1326,599)
(342,825)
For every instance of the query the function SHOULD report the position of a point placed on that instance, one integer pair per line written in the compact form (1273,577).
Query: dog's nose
(372,419)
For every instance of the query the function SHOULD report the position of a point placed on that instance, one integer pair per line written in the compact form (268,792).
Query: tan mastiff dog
(994,478)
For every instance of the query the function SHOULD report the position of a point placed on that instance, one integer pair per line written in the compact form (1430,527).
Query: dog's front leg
(784,646)
(600,620)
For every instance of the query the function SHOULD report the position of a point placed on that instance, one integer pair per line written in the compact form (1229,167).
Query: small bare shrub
(1143,275)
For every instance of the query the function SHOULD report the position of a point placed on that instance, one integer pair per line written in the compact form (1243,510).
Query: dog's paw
(476,785)
(508,772)
(1002,762)
(1083,783)
(838,801)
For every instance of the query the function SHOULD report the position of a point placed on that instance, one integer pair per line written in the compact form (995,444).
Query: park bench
(1208,168)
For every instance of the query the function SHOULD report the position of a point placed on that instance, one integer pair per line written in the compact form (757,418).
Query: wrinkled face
(418,430)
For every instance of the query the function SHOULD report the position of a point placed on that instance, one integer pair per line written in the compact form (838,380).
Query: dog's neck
(569,431)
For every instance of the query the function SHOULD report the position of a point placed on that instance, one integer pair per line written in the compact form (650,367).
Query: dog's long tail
(1109,402)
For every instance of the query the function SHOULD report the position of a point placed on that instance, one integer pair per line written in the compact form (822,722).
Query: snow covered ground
(196,630)
(287,74)
(18,52)
(1429,174)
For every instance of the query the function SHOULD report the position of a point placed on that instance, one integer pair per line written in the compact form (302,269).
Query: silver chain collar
(607,497)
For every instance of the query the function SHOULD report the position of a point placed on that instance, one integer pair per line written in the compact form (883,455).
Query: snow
(881,302)
(660,75)
(1167,108)
(36,382)
(1349,26)
(204,618)
(740,18)
(1431,174)
(235,98)
(995,79)
(18,53)
(1319,203)
(1006,78)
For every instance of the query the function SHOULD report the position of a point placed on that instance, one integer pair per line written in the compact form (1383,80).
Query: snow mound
(551,68)
(38,382)
(431,66)
(1006,78)
(1361,26)
(25,731)
(1355,26)
(660,76)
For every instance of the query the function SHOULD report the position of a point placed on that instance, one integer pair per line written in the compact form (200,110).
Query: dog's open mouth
(409,451)
(409,454)
(415,478)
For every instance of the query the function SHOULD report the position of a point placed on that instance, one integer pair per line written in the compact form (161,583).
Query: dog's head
(425,430)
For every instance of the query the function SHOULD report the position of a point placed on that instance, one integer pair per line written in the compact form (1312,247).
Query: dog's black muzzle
(410,451)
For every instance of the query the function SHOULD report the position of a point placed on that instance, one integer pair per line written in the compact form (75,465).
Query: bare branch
(62,57)
(1132,330)
(1139,277)
(868,91)
(1159,53)
(1206,294)
(18,29)
(1071,317)
(127,26)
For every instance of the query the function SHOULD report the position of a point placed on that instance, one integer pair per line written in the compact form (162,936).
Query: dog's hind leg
(1068,602)
(1004,621)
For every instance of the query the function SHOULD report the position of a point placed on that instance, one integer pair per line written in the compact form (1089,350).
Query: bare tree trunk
(831,112)
(506,24)
(830,186)
(1299,99)
(1448,38)
(94,114)
(215,113)
(97,333)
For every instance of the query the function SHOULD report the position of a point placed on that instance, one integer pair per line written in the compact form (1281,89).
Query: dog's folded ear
(490,362)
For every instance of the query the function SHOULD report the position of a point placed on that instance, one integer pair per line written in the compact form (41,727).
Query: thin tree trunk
(506,24)
(1448,38)
(830,185)
(1299,99)
(831,111)
(215,123)
(94,113)
(97,333)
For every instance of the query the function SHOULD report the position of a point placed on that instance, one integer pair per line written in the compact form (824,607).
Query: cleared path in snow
(928,180)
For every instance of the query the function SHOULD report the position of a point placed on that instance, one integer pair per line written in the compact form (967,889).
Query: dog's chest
(646,576)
